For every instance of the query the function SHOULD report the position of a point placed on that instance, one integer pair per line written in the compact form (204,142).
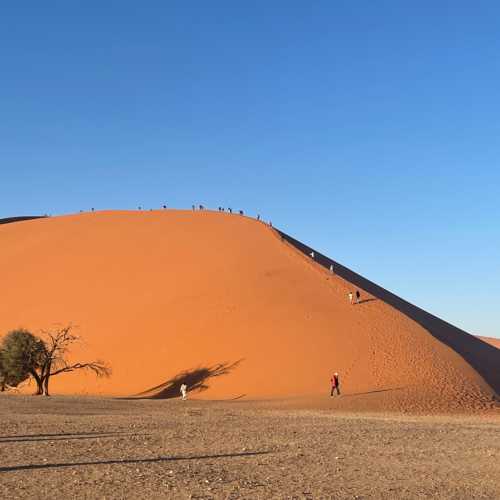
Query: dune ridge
(161,293)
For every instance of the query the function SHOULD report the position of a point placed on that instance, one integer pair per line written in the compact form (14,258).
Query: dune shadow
(9,220)
(31,467)
(483,357)
(196,381)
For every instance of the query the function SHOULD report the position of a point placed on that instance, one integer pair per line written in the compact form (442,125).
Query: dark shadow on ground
(15,468)
(59,434)
(196,381)
(372,392)
(365,301)
(237,397)
(61,437)
(484,358)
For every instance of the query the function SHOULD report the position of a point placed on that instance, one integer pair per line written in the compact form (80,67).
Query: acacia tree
(9,380)
(55,360)
(45,358)
(22,354)
(5,377)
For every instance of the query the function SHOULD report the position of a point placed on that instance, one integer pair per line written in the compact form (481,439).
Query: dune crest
(156,294)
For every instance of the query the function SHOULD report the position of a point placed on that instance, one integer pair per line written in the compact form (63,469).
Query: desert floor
(69,447)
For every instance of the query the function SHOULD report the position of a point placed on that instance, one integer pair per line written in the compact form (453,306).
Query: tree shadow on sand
(196,381)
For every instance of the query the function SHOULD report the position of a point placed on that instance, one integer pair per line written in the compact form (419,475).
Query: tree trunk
(38,380)
(46,384)
(46,378)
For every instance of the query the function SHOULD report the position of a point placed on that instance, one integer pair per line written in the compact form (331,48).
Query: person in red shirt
(335,384)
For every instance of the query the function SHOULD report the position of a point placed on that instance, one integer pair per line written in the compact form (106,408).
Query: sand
(74,447)
(157,294)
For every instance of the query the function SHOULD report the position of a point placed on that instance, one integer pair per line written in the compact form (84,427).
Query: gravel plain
(77,447)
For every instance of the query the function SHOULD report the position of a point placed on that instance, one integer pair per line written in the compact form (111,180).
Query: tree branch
(98,367)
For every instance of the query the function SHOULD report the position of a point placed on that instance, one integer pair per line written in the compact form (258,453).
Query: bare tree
(55,358)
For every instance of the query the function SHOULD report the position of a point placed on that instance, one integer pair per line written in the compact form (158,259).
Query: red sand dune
(159,293)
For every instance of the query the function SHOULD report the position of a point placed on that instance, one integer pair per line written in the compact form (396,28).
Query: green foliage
(7,379)
(21,354)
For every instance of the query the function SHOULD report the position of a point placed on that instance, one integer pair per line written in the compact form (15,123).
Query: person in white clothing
(350,297)
(184,388)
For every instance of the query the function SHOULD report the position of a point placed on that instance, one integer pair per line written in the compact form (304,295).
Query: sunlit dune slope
(156,294)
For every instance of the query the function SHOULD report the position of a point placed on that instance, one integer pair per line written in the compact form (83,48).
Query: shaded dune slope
(231,303)
(492,341)
(10,220)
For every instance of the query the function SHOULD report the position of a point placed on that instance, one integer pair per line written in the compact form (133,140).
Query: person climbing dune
(335,384)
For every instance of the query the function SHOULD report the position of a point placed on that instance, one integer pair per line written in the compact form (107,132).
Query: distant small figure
(223,209)
(241,212)
(219,209)
(184,388)
(92,209)
(230,210)
(335,384)
(258,216)
(350,297)
(193,207)
(164,206)
(331,268)
(140,208)
(312,255)
(270,224)
(201,207)
(358,296)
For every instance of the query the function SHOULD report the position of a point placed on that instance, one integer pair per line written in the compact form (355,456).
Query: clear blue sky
(370,130)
